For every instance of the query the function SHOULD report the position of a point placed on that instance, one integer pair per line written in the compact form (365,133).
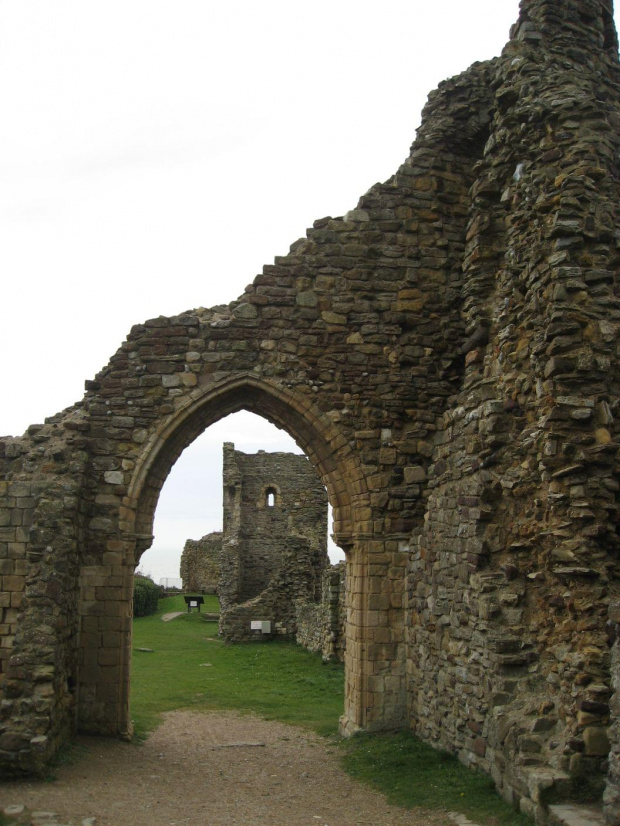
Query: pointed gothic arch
(338,467)
(319,438)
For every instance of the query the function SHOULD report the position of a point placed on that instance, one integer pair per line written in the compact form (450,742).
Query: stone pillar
(105,643)
(375,691)
(16,509)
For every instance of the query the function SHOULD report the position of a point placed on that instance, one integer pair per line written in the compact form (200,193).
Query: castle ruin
(272,552)
(200,563)
(447,356)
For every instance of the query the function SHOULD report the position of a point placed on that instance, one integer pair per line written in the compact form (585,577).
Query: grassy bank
(190,668)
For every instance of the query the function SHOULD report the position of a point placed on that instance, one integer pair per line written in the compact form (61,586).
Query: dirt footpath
(215,769)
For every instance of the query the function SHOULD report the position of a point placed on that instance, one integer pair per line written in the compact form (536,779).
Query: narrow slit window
(271,498)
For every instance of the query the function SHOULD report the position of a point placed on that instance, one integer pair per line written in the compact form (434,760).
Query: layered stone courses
(446,354)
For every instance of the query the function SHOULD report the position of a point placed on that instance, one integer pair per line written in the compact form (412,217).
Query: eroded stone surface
(575,816)
(18,815)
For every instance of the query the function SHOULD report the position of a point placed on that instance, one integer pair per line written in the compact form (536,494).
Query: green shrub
(146,595)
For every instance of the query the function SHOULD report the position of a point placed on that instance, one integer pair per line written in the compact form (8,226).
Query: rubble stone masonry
(270,563)
(446,354)
(321,625)
(200,564)
(274,546)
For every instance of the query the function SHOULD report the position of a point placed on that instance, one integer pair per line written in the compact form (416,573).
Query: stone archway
(321,440)
(104,690)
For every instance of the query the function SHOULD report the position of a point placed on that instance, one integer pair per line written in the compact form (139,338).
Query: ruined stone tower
(270,558)
(274,546)
(446,354)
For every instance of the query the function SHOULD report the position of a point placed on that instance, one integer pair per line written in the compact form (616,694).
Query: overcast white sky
(154,154)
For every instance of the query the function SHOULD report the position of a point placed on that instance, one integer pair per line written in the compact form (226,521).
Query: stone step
(563,814)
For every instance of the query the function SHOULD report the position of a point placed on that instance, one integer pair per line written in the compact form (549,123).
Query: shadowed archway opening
(274,547)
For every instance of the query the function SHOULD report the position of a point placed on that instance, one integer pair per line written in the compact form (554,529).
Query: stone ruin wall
(516,565)
(321,626)
(38,511)
(447,355)
(274,547)
(316,619)
(200,564)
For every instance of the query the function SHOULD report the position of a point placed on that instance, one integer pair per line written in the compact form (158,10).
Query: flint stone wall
(447,356)
(200,563)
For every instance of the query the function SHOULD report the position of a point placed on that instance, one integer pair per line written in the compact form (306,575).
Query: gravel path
(171,615)
(215,769)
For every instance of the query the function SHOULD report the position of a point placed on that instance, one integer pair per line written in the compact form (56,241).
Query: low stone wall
(317,626)
(236,623)
(321,626)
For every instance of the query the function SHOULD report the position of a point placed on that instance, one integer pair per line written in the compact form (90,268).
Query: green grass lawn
(411,773)
(190,668)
